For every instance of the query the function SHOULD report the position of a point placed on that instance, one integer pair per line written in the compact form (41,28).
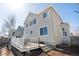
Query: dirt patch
(73,50)
(37,52)
(56,53)
(70,51)
(5,52)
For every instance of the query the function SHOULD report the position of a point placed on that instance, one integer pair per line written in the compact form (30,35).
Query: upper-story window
(62,29)
(43,31)
(45,15)
(64,33)
(27,25)
(34,21)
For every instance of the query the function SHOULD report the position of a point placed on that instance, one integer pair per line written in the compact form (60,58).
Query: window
(34,21)
(30,32)
(13,34)
(27,25)
(30,23)
(41,42)
(19,36)
(44,14)
(43,31)
(64,33)
(62,29)
(16,36)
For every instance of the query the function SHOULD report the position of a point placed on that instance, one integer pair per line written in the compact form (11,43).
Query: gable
(30,14)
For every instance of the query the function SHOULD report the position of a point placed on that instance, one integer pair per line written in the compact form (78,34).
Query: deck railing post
(38,41)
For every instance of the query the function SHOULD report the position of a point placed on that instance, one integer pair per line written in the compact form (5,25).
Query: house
(75,38)
(47,26)
(66,33)
(19,32)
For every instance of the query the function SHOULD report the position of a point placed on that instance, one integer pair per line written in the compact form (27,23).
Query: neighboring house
(75,38)
(47,27)
(66,33)
(19,32)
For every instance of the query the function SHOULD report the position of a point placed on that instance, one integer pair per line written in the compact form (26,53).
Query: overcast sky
(21,11)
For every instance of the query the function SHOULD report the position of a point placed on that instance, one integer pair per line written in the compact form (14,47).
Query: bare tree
(77,11)
(9,25)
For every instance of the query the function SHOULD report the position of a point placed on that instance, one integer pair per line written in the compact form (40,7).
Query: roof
(28,16)
(65,24)
(50,7)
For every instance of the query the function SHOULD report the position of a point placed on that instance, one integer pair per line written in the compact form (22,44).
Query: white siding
(66,39)
(56,26)
(33,28)
(46,22)
(52,22)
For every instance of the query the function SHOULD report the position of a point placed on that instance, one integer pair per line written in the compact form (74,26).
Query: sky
(65,10)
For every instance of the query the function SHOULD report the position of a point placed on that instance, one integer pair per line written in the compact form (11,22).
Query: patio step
(47,48)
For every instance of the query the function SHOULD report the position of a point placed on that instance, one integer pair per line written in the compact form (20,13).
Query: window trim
(63,29)
(41,31)
(44,30)
(64,33)
(27,25)
(33,22)
(31,32)
(45,14)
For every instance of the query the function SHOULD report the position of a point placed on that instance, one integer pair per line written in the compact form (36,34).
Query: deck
(28,47)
